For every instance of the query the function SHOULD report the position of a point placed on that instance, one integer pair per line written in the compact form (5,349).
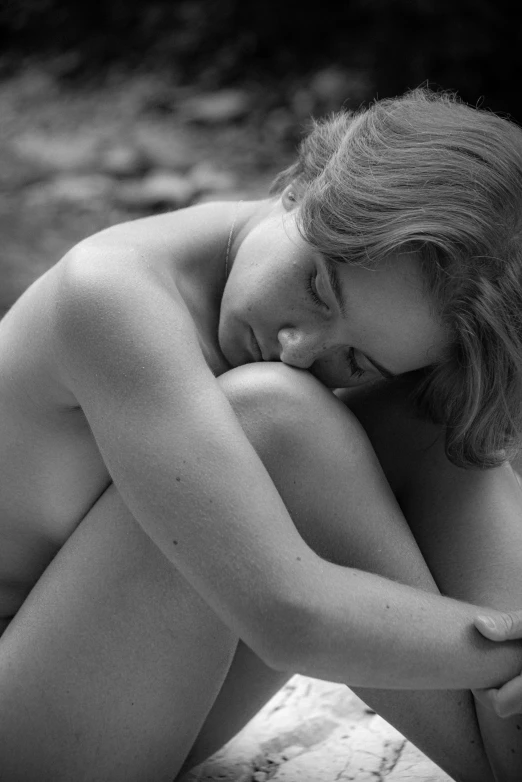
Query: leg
(111,665)
(249,684)
(468,524)
(285,416)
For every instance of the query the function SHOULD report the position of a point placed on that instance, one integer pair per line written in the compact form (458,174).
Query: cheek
(331,372)
(270,291)
(335,372)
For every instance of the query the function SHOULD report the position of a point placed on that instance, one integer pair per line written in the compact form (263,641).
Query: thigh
(249,685)
(112,663)
(322,464)
(467,524)
(469,528)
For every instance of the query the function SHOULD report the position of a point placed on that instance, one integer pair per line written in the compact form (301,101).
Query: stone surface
(315,731)
(216,107)
(166,148)
(78,189)
(158,189)
(207,178)
(123,160)
(57,152)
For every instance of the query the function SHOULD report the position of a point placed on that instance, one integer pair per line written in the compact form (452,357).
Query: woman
(153,515)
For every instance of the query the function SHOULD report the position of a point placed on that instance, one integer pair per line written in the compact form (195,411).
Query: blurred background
(115,109)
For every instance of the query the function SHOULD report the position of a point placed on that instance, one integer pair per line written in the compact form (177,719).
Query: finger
(506,701)
(503,626)
(486,697)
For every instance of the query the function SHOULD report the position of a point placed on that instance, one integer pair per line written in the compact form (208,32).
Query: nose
(299,348)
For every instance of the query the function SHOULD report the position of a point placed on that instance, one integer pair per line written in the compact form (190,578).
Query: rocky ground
(314,731)
(75,161)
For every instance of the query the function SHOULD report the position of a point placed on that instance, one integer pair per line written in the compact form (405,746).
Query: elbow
(283,639)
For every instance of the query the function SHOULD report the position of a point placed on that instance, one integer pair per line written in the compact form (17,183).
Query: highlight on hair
(428,174)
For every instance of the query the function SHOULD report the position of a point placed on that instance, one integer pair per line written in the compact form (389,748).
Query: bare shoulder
(120,289)
(116,308)
(160,234)
(123,261)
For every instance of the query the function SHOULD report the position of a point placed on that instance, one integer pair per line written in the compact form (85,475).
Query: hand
(507,700)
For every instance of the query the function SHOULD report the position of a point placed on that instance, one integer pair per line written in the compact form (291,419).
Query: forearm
(199,490)
(367,631)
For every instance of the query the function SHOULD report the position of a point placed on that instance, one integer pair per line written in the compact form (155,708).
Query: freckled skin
(387,315)
(53,476)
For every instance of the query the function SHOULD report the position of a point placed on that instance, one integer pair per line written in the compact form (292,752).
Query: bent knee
(276,391)
(271,380)
(277,403)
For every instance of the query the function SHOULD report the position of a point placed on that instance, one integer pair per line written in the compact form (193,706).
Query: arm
(505,701)
(182,464)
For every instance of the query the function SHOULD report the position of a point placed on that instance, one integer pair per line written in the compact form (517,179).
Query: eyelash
(355,369)
(310,285)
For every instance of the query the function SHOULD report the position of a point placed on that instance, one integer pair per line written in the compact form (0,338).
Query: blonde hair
(428,174)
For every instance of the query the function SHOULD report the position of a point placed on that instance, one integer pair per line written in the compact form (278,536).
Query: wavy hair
(429,174)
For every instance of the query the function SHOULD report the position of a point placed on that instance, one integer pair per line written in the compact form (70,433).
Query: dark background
(115,109)
(473,46)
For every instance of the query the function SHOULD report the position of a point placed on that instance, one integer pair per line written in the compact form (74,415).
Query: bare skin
(474,558)
(97,385)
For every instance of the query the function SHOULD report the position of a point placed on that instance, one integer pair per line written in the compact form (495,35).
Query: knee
(283,406)
(272,392)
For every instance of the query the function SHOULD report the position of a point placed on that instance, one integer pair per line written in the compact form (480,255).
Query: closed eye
(355,368)
(311,287)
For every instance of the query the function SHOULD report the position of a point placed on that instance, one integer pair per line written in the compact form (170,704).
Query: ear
(290,196)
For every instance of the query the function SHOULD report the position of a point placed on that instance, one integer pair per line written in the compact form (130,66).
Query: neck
(247,216)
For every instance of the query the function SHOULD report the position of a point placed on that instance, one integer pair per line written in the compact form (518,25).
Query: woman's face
(347,325)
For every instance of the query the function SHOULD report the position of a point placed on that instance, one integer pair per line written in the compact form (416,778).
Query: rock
(58,153)
(413,766)
(303,103)
(80,190)
(217,107)
(158,189)
(16,174)
(225,195)
(330,84)
(164,150)
(123,161)
(331,87)
(212,773)
(328,90)
(282,124)
(294,739)
(205,177)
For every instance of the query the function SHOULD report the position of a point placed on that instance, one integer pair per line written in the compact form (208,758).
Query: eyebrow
(332,270)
